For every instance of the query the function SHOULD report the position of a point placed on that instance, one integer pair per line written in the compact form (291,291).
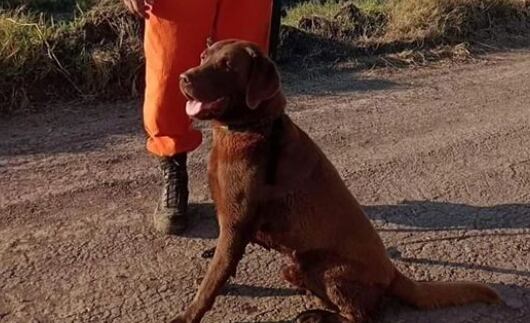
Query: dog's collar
(249,126)
(273,126)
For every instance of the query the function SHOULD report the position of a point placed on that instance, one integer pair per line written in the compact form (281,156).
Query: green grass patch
(329,9)
(312,8)
(413,23)
(455,20)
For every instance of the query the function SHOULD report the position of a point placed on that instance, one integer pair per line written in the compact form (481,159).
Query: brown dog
(273,186)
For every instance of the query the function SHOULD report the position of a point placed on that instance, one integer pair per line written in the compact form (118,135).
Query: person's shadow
(444,216)
(203,221)
(413,216)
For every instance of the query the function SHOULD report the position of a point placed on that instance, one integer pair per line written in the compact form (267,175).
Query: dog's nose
(184,78)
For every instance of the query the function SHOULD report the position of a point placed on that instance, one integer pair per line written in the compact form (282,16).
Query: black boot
(171,213)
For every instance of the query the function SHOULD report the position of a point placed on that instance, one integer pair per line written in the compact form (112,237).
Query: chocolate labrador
(273,186)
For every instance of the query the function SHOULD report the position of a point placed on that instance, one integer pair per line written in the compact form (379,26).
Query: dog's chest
(233,160)
(272,240)
(275,230)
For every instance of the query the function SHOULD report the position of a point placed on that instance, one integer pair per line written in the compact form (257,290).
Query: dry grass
(329,9)
(419,20)
(96,53)
(415,31)
(454,20)
(60,49)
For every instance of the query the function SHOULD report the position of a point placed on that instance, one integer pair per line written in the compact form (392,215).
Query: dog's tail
(429,295)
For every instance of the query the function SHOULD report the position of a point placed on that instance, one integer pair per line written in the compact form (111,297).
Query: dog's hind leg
(356,301)
(349,301)
(293,275)
(335,282)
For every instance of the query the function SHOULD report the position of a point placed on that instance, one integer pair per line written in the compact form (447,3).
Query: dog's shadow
(203,221)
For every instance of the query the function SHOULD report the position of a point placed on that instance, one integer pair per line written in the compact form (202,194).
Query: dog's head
(232,82)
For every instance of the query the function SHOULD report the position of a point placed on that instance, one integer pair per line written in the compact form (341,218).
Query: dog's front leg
(229,251)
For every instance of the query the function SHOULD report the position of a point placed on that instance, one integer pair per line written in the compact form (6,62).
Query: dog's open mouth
(199,109)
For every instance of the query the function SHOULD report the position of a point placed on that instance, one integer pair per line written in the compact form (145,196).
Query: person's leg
(276,21)
(246,20)
(175,35)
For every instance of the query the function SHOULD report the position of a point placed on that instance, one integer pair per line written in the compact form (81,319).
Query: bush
(390,26)
(454,20)
(48,6)
(416,20)
(329,9)
(96,53)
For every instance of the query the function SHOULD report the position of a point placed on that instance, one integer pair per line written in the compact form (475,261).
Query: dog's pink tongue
(194,107)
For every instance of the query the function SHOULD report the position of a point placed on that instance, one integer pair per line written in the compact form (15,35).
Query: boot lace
(175,184)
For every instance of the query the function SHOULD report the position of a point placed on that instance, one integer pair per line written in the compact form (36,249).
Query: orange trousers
(175,35)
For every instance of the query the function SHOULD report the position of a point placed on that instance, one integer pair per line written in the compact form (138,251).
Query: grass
(455,20)
(63,49)
(48,6)
(410,28)
(93,53)
(420,20)
(329,9)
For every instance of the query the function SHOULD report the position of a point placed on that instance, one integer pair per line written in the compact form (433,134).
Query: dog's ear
(264,81)
(209,42)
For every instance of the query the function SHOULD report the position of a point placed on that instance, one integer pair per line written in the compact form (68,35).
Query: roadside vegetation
(403,32)
(66,49)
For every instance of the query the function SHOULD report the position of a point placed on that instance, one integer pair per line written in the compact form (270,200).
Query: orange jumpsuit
(175,35)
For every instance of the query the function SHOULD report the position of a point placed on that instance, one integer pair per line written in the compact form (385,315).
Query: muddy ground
(439,156)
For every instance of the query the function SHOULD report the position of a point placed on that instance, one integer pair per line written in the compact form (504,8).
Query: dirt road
(440,157)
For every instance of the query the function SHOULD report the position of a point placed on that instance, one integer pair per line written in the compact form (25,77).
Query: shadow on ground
(420,216)
(341,83)
(423,261)
(514,310)
(87,127)
(443,216)
(69,128)
(428,216)
(413,216)
(257,291)
(203,222)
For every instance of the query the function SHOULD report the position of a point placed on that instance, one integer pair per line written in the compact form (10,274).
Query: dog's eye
(203,56)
